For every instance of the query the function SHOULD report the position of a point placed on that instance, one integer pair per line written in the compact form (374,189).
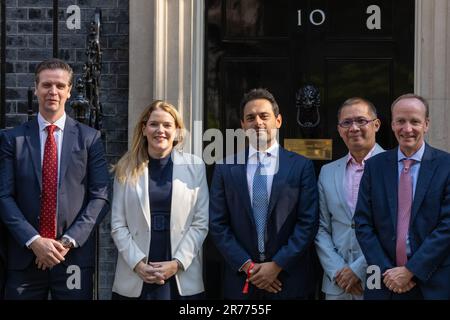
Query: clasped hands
(156,272)
(398,279)
(48,252)
(264,276)
(349,281)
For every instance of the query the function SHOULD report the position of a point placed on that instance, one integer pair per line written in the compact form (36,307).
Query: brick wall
(29,39)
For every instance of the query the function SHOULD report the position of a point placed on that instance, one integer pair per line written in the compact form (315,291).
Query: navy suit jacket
(2,253)
(2,259)
(291,226)
(429,231)
(82,190)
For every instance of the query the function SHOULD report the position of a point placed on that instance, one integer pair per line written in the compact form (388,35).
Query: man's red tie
(405,196)
(47,227)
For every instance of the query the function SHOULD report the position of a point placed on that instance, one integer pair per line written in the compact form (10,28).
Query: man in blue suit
(2,259)
(403,211)
(53,192)
(2,253)
(338,250)
(264,211)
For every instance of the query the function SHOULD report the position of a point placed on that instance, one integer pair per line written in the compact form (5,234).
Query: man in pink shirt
(338,250)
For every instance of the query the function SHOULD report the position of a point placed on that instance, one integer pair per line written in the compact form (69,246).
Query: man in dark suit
(403,211)
(53,192)
(2,259)
(264,211)
(2,253)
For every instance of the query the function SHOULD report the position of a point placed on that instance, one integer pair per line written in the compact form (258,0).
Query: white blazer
(130,225)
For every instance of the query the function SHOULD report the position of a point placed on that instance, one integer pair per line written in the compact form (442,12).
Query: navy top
(160,196)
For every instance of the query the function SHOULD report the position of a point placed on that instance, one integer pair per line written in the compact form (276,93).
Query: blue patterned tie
(260,204)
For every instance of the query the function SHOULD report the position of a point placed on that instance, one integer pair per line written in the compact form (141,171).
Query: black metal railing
(86,105)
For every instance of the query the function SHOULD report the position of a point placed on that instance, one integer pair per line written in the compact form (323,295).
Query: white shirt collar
(272,151)
(60,123)
(417,156)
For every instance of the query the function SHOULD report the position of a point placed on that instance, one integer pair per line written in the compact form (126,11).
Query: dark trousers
(413,294)
(2,278)
(3,260)
(154,295)
(62,282)
(259,294)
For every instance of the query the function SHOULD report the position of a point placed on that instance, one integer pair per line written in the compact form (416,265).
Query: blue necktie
(260,205)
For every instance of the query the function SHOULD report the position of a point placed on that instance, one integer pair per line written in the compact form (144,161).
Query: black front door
(342,48)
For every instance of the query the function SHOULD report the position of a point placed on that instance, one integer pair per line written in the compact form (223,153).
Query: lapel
(69,137)
(180,192)
(142,194)
(339,176)
(285,162)
(32,137)
(378,149)
(427,168)
(390,174)
(239,175)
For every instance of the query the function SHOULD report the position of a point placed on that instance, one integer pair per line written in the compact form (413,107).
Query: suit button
(353,225)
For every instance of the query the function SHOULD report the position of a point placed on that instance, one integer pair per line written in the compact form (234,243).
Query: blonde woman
(159,212)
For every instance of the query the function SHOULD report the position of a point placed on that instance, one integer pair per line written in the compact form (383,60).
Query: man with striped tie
(403,211)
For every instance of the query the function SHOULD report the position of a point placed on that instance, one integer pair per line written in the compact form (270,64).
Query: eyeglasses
(360,122)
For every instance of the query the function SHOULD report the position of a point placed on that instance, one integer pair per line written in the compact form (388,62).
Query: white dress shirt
(269,158)
(58,134)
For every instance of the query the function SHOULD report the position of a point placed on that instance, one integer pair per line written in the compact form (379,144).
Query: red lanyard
(245,289)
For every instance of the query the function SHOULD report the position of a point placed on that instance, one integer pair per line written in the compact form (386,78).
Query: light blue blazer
(336,241)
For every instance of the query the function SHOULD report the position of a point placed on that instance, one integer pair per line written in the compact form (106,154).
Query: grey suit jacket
(336,241)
